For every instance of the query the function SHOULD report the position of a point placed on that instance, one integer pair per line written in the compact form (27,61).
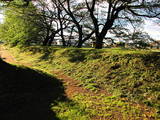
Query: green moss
(133,73)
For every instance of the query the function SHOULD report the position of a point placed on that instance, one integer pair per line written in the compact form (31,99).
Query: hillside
(128,76)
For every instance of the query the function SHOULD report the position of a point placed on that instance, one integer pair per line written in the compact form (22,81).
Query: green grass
(71,110)
(125,73)
(32,94)
(111,107)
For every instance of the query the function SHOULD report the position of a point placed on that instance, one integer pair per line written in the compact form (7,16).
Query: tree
(16,30)
(102,18)
(53,20)
(79,17)
(7,2)
(118,10)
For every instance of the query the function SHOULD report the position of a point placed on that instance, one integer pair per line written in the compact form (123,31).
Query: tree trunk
(63,40)
(51,39)
(80,40)
(45,41)
(61,27)
(80,43)
(99,43)
(100,37)
(99,46)
(50,42)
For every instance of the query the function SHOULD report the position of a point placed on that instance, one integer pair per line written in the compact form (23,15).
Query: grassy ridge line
(126,73)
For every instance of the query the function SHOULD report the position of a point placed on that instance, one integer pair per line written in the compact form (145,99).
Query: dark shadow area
(80,55)
(26,94)
(45,50)
(152,59)
(41,49)
(46,55)
(74,55)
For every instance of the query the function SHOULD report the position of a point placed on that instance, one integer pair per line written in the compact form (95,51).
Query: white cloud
(152,29)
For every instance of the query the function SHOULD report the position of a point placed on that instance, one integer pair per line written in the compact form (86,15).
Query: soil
(72,86)
(6,56)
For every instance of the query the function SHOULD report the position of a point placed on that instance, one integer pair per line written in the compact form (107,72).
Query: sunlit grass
(126,73)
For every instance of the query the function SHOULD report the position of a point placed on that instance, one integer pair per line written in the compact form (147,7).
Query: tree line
(75,22)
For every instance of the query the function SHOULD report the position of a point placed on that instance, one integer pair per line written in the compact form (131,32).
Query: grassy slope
(132,75)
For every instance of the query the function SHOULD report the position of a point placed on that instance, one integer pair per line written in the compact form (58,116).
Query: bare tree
(84,15)
(77,13)
(117,8)
(53,20)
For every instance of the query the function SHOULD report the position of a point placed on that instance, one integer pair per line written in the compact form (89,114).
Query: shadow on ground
(26,94)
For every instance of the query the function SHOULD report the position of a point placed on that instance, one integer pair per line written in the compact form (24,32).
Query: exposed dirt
(72,86)
(6,56)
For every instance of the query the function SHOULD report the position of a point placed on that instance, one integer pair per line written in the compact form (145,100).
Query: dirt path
(6,56)
(71,86)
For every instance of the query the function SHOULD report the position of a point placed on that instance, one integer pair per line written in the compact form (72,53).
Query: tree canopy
(88,20)
(19,27)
